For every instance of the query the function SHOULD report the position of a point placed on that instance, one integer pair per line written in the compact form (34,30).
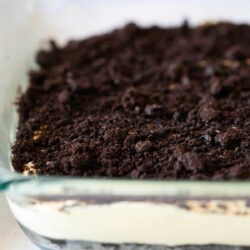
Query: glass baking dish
(79,213)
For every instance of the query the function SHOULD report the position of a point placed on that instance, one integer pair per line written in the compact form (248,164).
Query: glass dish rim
(16,183)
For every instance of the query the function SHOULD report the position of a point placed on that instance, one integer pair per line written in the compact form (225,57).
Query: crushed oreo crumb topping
(166,103)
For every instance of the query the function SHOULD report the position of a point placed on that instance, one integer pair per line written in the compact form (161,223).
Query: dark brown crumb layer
(140,103)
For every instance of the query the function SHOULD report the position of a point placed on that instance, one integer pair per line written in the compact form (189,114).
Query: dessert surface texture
(164,103)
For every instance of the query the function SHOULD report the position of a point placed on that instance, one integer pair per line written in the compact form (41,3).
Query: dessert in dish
(138,103)
(164,103)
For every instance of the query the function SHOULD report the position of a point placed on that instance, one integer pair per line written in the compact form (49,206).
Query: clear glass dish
(79,213)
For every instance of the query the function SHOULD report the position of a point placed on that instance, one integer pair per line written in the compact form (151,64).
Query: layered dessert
(140,103)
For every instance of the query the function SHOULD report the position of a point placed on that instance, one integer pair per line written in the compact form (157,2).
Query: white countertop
(12,237)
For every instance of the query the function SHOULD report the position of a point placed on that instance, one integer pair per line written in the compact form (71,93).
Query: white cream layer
(133,222)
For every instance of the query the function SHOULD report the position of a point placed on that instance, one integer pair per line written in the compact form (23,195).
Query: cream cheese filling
(133,222)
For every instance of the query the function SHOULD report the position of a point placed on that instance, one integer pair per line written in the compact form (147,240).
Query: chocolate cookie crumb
(166,103)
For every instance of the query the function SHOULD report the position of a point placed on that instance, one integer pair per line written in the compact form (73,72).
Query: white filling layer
(133,222)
